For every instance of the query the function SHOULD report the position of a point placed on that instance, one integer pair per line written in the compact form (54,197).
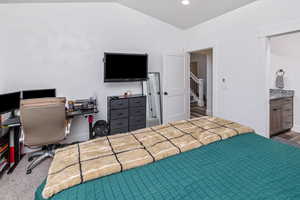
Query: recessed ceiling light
(185,2)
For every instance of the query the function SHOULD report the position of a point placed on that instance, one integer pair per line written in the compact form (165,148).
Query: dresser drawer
(137,111)
(137,120)
(119,104)
(137,102)
(117,114)
(119,123)
(118,130)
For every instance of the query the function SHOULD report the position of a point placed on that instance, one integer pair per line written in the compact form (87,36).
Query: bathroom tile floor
(290,137)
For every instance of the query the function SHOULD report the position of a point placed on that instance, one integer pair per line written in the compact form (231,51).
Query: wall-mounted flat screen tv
(125,67)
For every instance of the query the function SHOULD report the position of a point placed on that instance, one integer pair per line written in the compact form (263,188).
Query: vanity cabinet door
(281,115)
(287,116)
(275,119)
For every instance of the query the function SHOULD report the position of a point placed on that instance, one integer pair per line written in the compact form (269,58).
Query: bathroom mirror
(151,88)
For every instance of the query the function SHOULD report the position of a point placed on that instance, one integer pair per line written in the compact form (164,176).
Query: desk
(87,114)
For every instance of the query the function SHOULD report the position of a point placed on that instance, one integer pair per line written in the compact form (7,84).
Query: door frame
(214,47)
(265,36)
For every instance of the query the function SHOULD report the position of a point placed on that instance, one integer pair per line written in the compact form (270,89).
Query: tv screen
(125,67)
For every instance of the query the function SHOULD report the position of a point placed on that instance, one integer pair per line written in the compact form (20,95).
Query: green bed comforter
(243,167)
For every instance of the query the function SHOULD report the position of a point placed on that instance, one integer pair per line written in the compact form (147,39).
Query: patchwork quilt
(100,157)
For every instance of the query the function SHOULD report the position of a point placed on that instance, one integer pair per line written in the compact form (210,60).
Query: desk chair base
(39,156)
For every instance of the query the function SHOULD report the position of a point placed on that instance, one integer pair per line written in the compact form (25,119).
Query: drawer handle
(120,124)
(120,114)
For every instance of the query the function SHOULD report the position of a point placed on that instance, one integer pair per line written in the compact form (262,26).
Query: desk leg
(90,120)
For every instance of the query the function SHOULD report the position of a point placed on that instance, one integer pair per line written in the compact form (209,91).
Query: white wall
(239,57)
(285,54)
(61,45)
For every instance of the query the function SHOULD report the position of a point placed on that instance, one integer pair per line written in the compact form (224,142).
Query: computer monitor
(33,94)
(9,102)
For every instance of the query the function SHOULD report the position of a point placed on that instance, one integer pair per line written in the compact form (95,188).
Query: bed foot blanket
(104,156)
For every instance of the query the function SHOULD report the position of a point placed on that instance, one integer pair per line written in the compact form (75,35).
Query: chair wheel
(28,171)
(30,159)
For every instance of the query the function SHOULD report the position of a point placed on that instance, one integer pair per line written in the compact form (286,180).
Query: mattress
(242,167)
(77,164)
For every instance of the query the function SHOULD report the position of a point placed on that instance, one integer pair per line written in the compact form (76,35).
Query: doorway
(284,85)
(201,73)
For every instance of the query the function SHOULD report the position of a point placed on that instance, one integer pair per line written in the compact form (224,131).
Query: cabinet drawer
(119,123)
(133,121)
(137,111)
(287,100)
(118,130)
(119,104)
(275,102)
(136,127)
(117,114)
(287,107)
(137,102)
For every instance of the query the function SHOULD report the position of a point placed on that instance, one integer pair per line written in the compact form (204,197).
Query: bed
(246,166)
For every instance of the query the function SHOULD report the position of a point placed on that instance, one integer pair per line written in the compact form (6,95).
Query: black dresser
(126,113)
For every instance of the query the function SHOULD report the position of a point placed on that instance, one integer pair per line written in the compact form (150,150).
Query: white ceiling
(171,11)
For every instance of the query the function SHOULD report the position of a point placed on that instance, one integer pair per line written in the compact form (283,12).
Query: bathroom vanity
(281,111)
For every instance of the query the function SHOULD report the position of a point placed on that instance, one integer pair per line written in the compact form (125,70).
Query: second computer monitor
(9,102)
(33,94)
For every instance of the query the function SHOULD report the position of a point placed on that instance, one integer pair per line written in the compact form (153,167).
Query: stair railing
(197,89)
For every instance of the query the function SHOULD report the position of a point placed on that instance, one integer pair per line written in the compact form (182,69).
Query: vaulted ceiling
(171,11)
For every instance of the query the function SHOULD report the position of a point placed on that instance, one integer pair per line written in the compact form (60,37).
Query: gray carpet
(18,185)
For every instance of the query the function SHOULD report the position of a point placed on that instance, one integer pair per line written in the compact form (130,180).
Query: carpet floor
(18,185)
